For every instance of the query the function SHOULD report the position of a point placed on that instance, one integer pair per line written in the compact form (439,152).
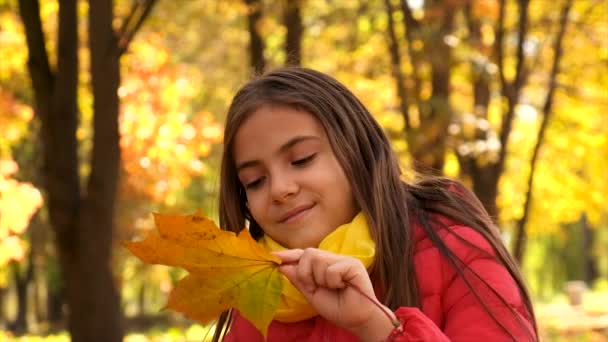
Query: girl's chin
(304,241)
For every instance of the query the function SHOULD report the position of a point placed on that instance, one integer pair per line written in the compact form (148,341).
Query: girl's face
(296,189)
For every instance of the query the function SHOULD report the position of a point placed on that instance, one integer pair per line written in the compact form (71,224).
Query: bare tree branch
(583,18)
(130,28)
(412,28)
(522,31)
(256,43)
(512,89)
(96,219)
(293,42)
(408,16)
(396,66)
(38,59)
(498,45)
(481,82)
(547,113)
(127,21)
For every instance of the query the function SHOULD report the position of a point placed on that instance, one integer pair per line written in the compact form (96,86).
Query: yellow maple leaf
(226,270)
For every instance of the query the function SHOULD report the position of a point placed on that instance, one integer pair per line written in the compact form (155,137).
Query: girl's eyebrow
(296,140)
(293,141)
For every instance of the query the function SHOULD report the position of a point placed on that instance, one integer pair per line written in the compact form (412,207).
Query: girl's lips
(296,213)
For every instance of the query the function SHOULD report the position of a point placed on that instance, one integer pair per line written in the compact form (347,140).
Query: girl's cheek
(256,204)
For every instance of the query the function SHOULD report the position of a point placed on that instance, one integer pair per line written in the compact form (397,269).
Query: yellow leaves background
(18,202)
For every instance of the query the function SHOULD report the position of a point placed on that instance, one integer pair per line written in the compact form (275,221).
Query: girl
(311,173)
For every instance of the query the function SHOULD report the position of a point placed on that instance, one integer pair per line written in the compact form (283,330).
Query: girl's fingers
(315,263)
(289,255)
(349,271)
(305,271)
(319,267)
(333,274)
(290,272)
(312,268)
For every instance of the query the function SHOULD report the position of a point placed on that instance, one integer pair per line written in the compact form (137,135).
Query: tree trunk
(483,172)
(293,41)
(55,107)
(38,293)
(96,291)
(141,299)
(485,187)
(480,176)
(256,42)
(55,301)
(83,228)
(396,68)
(426,132)
(26,279)
(511,90)
(22,282)
(520,232)
(83,225)
(430,153)
(19,325)
(3,319)
(590,267)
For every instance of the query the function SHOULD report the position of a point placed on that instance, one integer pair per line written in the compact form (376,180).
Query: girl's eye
(304,161)
(254,184)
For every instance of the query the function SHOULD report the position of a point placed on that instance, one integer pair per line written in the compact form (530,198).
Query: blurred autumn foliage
(163,144)
(18,203)
(509,96)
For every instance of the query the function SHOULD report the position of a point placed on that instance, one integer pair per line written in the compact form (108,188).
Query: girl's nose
(282,187)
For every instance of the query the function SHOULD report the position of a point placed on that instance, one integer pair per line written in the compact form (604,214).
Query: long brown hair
(365,154)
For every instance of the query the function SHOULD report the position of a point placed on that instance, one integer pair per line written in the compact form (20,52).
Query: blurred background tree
(508,96)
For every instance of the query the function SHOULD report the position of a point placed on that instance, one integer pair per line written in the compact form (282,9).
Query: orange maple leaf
(226,270)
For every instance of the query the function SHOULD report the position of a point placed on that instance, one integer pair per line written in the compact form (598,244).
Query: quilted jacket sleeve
(464,317)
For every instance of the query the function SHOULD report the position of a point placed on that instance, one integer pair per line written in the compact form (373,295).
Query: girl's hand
(330,282)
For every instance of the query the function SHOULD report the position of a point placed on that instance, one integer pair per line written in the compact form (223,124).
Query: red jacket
(450,311)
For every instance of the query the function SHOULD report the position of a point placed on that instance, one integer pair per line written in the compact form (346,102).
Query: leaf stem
(384,310)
